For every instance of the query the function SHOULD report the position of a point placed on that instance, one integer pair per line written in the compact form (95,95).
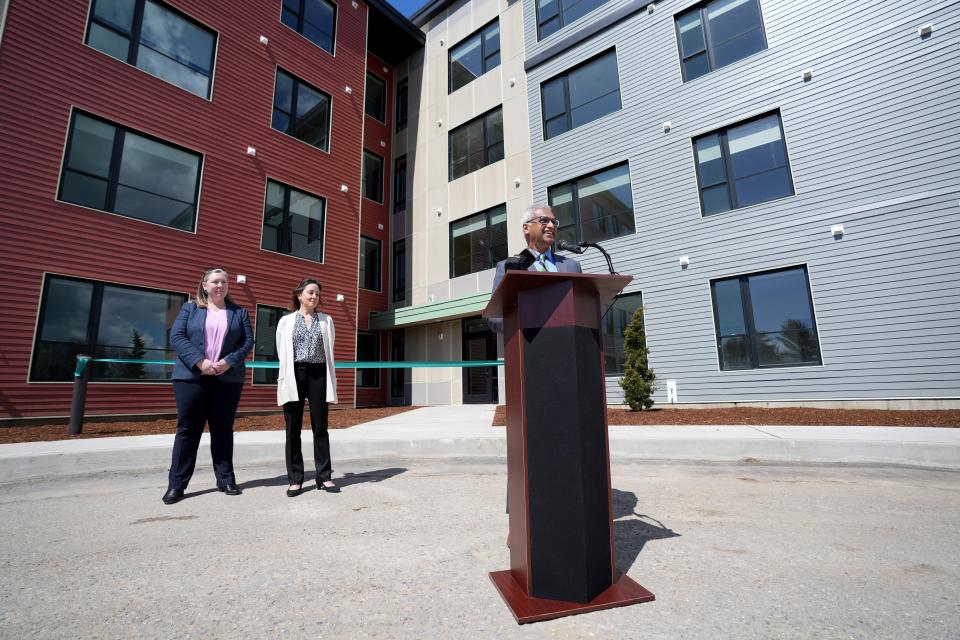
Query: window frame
(93,324)
(568,110)
(575,197)
(253,374)
(484,55)
(116,163)
(364,182)
(559,17)
(298,30)
(286,219)
(482,119)
(487,213)
(728,165)
(701,7)
(746,303)
(399,270)
(382,118)
(379,274)
(402,99)
(136,29)
(400,183)
(376,372)
(295,93)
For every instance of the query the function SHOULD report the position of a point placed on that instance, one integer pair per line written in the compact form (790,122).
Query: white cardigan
(286,382)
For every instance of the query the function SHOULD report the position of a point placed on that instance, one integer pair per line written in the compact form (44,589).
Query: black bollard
(81,376)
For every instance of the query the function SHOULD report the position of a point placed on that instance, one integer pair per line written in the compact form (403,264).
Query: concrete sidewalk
(464,431)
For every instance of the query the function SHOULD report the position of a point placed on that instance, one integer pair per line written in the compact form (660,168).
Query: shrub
(638,377)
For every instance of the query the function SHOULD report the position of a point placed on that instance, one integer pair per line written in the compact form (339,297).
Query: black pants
(312,386)
(207,400)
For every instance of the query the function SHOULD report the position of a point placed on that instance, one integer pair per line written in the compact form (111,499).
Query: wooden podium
(562,559)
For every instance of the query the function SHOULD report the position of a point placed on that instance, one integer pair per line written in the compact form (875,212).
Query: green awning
(428,313)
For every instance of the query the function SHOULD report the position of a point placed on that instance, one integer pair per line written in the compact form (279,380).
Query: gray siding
(874,144)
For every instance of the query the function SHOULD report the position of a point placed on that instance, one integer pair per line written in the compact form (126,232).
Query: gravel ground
(744,552)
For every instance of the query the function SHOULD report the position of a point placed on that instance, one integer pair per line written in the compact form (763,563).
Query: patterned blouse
(308,341)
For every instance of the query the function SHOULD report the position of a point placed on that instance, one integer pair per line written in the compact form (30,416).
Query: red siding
(45,69)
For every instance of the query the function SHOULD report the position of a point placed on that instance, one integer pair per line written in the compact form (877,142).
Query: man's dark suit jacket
(187,336)
(564,265)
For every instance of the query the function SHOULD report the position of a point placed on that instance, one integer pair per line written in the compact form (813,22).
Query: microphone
(563,245)
(601,250)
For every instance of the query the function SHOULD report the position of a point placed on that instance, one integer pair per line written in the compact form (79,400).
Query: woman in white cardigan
(305,351)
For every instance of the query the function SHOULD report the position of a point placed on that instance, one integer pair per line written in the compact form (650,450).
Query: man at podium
(540,231)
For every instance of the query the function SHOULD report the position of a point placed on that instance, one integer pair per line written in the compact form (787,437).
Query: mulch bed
(339,419)
(776,416)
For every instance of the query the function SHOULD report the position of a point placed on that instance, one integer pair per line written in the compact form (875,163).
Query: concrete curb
(932,448)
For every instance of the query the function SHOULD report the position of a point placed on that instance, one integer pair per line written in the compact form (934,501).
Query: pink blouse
(214,331)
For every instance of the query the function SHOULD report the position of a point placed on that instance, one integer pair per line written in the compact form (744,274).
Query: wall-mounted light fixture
(252,152)
(348,89)
(241,279)
(684,261)
(264,40)
(340,297)
(925,30)
(344,188)
(806,74)
(513,82)
(667,126)
(836,231)
(383,143)
(650,8)
(517,181)
(380,226)
(439,211)
(440,122)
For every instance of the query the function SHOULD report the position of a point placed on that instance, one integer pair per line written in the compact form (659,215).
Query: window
(718,33)
(368,350)
(581,95)
(743,165)
(478,242)
(595,207)
(400,184)
(265,345)
(765,320)
(402,100)
(375,98)
(399,270)
(369,263)
(111,168)
(397,376)
(614,327)
(316,20)
(553,15)
(106,321)
(293,222)
(476,144)
(157,39)
(474,56)
(301,111)
(372,178)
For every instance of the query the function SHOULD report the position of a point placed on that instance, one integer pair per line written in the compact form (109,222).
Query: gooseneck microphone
(580,247)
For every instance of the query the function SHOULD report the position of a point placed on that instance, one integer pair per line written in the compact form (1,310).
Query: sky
(407,7)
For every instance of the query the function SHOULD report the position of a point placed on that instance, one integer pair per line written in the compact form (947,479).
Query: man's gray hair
(529,211)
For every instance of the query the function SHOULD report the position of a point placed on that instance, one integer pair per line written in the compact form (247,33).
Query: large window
(372,177)
(105,321)
(111,168)
(478,242)
(714,34)
(595,207)
(293,222)
(369,263)
(474,56)
(316,20)
(368,350)
(301,111)
(614,327)
(403,97)
(765,320)
(553,15)
(265,347)
(399,270)
(153,37)
(476,144)
(581,95)
(375,98)
(743,165)
(400,184)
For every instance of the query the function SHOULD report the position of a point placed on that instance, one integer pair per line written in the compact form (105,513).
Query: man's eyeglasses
(544,221)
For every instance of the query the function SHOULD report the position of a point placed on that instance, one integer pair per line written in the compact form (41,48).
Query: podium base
(529,609)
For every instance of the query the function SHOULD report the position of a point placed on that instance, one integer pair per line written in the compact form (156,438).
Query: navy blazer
(564,265)
(187,335)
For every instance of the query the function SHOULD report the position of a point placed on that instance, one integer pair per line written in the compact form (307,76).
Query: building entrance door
(479,343)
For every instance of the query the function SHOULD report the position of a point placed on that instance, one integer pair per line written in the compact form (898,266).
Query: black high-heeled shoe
(293,493)
(172,496)
(231,489)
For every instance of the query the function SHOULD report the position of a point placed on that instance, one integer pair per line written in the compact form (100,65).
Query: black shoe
(172,496)
(230,489)
(293,493)
(328,488)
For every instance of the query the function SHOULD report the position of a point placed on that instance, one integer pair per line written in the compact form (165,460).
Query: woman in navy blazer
(212,337)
